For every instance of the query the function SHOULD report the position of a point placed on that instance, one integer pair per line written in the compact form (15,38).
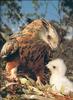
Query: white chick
(58,80)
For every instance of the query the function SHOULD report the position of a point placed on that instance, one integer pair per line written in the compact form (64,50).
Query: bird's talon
(13,77)
(38,82)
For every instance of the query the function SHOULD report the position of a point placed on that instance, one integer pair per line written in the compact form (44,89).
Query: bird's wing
(9,48)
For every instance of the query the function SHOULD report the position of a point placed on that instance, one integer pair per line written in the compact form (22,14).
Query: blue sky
(52,12)
(52,8)
(27,7)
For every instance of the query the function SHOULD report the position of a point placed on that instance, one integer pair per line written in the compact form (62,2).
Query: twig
(36,97)
(7,85)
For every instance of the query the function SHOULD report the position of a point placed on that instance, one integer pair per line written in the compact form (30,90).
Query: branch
(36,97)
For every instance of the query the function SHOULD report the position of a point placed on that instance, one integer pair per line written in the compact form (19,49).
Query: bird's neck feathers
(43,37)
(57,74)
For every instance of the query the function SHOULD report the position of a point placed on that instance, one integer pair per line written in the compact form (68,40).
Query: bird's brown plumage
(30,49)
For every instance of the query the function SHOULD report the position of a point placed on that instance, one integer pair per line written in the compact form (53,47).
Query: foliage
(11,9)
(67,7)
(11,12)
(37,5)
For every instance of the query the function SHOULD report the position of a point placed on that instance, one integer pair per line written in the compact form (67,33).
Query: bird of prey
(30,49)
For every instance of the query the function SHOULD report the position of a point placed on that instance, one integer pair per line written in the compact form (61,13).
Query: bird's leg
(38,82)
(11,69)
(13,75)
(40,78)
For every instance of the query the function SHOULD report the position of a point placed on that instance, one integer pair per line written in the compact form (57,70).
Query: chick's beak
(47,66)
(49,72)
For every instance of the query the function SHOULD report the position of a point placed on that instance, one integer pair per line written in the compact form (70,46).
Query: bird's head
(49,35)
(9,48)
(57,67)
(44,30)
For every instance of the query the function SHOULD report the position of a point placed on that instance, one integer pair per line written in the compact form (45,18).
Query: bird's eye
(48,37)
(54,67)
